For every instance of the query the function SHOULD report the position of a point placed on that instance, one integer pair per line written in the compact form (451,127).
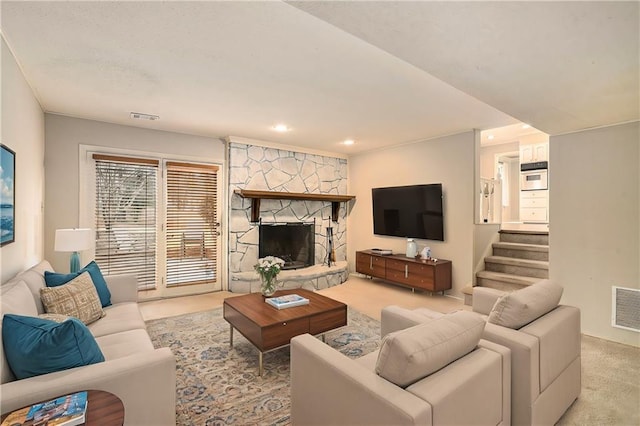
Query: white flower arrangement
(268,268)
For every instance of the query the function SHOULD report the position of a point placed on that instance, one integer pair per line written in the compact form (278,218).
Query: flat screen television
(413,211)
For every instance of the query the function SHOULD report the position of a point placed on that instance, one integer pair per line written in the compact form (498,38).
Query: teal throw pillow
(53,279)
(35,346)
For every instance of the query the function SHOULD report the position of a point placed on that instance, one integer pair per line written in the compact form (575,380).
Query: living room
(595,198)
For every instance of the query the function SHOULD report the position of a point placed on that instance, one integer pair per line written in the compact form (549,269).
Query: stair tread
(539,264)
(509,278)
(517,231)
(521,246)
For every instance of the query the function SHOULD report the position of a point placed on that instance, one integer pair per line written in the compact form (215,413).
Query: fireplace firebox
(292,242)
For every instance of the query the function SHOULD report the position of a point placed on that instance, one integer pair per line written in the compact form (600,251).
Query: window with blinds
(192,223)
(125,217)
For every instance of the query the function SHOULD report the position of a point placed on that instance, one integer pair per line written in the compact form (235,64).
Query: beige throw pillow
(77,298)
(518,308)
(409,355)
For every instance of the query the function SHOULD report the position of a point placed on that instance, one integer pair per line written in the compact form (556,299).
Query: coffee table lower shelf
(268,328)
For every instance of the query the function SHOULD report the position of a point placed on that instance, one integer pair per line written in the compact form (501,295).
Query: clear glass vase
(268,286)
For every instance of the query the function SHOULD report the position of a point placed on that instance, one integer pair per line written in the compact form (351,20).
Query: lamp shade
(77,239)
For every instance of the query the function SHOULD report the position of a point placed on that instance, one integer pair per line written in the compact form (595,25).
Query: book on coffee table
(287,301)
(67,410)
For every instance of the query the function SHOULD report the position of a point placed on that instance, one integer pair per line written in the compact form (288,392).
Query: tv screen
(413,211)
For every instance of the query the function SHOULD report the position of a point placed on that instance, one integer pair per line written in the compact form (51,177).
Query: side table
(103,408)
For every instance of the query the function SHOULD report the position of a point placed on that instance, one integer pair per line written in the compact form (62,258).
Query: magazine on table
(67,410)
(287,301)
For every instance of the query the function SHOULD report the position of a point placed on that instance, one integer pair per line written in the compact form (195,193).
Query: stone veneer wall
(270,169)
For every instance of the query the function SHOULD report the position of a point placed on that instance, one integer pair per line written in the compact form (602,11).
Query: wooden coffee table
(269,328)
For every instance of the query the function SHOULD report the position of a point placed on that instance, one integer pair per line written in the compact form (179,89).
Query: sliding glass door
(158,219)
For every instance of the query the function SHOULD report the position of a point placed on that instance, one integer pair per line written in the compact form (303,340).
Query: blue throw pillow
(35,346)
(53,279)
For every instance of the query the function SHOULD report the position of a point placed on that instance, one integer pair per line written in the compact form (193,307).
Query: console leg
(260,366)
(230,335)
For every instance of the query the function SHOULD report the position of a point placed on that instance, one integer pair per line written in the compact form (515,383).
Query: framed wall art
(7,195)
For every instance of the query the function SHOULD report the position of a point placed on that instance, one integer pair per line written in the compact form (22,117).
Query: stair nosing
(502,231)
(514,261)
(508,278)
(522,246)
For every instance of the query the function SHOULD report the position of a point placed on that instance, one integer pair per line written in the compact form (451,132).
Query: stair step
(521,251)
(501,277)
(514,266)
(525,237)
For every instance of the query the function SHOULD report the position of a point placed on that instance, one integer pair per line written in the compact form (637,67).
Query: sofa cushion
(518,308)
(34,277)
(53,279)
(37,346)
(117,318)
(17,299)
(78,298)
(409,355)
(120,345)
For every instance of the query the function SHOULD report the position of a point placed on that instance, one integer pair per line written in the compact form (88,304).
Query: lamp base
(74,265)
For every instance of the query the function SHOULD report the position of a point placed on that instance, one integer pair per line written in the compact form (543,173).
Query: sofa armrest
(505,353)
(525,370)
(394,318)
(484,298)
(559,335)
(145,382)
(123,288)
(329,388)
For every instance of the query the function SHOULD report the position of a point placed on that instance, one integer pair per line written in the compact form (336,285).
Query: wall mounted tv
(413,211)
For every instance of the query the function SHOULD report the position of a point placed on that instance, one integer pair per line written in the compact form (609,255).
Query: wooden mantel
(256,196)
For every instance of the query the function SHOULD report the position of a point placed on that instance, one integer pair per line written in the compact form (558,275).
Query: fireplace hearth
(292,242)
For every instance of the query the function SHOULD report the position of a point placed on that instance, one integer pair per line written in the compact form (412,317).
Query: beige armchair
(435,373)
(544,339)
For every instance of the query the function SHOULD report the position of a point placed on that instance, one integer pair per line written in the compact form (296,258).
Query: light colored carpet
(219,385)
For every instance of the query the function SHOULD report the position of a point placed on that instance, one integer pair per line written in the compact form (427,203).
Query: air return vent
(142,116)
(625,308)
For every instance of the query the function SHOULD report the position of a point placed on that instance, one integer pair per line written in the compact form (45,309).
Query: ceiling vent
(141,116)
(625,312)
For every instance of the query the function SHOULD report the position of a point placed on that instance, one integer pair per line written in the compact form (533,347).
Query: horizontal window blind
(125,217)
(192,223)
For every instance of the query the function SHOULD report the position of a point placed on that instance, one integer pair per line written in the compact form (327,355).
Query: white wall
(594,227)
(63,137)
(447,160)
(23,131)
(488,157)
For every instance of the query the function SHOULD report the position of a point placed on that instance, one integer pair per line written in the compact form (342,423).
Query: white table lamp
(73,240)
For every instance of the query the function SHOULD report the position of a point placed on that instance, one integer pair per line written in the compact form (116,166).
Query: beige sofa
(417,377)
(545,350)
(144,378)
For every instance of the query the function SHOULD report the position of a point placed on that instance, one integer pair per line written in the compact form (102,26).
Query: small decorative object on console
(68,410)
(287,301)
(268,268)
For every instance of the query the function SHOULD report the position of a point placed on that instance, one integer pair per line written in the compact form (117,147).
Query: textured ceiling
(382,73)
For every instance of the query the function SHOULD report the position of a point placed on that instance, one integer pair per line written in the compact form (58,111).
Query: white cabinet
(534,206)
(534,152)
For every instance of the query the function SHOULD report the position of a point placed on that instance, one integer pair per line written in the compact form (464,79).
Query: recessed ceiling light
(141,116)
(349,142)
(281,128)
(490,137)
(526,126)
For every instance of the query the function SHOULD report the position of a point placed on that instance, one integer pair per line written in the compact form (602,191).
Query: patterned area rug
(219,385)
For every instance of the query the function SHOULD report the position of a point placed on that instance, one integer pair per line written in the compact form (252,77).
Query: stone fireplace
(292,242)
(262,168)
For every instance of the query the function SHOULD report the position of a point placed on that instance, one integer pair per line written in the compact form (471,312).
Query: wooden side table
(103,408)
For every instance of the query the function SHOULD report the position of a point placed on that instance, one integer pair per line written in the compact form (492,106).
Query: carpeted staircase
(519,259)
